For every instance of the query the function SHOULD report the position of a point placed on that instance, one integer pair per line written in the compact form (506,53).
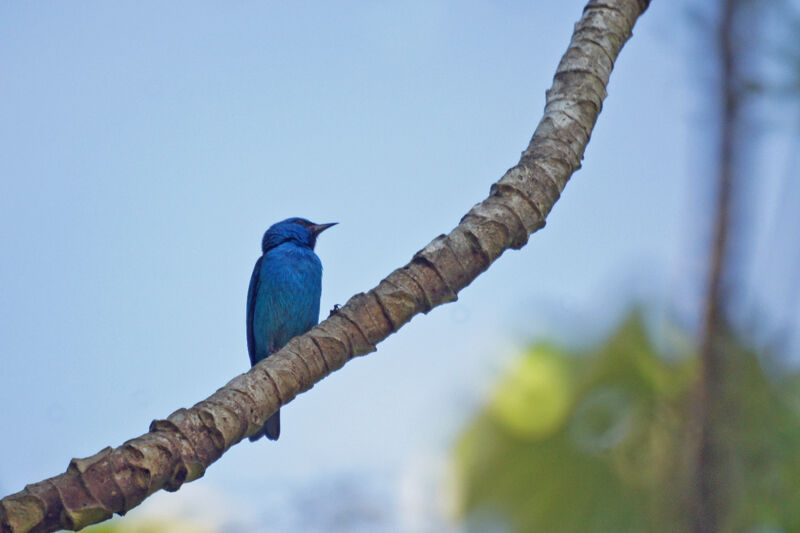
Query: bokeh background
(145,147)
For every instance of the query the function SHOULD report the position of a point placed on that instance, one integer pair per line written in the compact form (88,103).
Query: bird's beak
(316,229)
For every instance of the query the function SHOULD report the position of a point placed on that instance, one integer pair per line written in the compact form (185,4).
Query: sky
(145,147)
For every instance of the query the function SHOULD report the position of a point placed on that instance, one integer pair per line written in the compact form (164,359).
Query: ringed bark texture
(181,447)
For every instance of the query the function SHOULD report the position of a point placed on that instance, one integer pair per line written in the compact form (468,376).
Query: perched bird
(283,298)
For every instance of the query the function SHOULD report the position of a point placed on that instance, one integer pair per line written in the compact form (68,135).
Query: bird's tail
(271,428)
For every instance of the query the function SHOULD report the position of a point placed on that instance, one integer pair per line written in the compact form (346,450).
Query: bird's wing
(252,292)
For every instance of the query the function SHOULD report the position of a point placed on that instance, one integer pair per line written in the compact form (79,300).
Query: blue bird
(283,298)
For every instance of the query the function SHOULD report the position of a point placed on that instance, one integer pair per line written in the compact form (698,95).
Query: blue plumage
(284,293)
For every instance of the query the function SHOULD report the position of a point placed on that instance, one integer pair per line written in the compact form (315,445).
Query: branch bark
(181,447)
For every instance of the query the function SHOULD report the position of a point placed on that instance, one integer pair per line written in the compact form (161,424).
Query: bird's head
(297,230)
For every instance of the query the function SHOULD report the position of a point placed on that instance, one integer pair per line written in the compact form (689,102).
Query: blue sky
(147,146)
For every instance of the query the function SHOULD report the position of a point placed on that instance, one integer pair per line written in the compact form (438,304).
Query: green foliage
(150,525)
(600,441)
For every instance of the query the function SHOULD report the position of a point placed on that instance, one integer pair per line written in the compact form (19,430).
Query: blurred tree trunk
(709,498)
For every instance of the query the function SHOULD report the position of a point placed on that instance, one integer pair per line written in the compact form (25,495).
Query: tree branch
(180,448)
